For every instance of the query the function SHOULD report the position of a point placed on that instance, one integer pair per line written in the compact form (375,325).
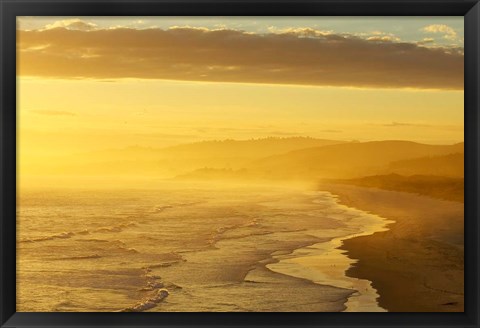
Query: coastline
(417,265)
(334,248)
(326,263)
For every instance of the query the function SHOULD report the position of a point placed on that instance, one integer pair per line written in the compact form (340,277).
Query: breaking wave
(148,302)
(70,234)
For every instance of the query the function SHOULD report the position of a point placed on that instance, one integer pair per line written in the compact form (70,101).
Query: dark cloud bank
(306,57)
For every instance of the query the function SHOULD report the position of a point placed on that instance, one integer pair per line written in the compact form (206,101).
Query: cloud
(425,41)
(448,32)
(72,24)
(305,32)
(53,112)
(383,38)
(295,56)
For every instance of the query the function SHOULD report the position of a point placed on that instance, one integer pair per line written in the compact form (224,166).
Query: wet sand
(325,263)
(418,264)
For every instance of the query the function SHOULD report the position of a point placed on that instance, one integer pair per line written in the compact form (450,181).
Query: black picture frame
(10,9)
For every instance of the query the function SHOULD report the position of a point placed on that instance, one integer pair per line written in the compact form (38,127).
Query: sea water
(188,247)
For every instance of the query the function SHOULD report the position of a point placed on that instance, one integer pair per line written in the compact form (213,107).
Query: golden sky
(87,84)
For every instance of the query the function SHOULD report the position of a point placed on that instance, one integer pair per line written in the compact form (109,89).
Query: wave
(70,234)
(82,257)
(116,228)
(326,263)
(62,235)
(159,293)
(160,209)
(149,302)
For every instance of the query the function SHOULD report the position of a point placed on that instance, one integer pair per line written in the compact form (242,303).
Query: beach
(417,265)
(184,247)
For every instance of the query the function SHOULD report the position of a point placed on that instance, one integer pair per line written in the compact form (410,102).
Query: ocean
(189,248)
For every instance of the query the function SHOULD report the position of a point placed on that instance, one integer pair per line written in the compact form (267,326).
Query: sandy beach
(200,248)
(418,264)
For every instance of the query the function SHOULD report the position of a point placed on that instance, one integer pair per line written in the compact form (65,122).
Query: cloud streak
(448,32)
(301,56)
(72,24)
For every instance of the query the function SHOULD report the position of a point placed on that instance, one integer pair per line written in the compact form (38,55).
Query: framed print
(226,163)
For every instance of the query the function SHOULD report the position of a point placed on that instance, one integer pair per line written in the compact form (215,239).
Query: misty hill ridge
(346,161)
(450,165)
(270,158)
(248,148)
(180,159)
(349,159)
(430,185)
(218,148)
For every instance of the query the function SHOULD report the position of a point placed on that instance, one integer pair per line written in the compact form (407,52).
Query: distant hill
(171,161)
(346,160)
(295,158)
(451,165)
(253,148)
(428,185)
(216,174)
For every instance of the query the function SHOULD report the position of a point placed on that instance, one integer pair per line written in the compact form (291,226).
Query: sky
(449,30)
(91,83)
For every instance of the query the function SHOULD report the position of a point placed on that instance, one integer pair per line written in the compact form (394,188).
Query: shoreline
(326,263)
(417,265)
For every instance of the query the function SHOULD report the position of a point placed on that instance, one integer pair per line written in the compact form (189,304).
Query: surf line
(326,264)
